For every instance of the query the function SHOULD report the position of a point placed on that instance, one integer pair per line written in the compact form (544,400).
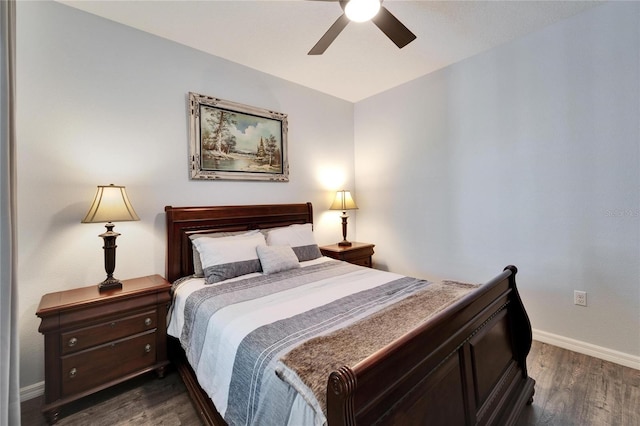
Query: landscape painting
(234,141)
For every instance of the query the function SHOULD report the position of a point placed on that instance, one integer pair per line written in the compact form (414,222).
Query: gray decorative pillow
(229,257)
(299,237)
(277,259)
(197,263)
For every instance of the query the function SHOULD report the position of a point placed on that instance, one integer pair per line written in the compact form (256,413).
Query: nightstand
(356,253)
(94,340)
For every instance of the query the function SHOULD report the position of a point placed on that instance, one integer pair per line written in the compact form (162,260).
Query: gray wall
(102,103)
(528,155)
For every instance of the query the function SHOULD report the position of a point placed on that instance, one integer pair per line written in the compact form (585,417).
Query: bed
(465,364)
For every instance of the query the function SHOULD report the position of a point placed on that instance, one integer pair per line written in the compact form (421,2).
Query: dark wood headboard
(185,221)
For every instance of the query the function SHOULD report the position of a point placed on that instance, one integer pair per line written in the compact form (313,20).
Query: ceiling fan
(362,11)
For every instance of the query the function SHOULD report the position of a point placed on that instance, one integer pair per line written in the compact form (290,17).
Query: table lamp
(344,202)
(110,204)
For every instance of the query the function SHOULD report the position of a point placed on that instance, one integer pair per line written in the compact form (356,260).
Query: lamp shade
(111,204)
(343,201)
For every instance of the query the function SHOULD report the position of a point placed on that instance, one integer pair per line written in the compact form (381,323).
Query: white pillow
(229,257)
(277,258)
(299,237)
(197,264)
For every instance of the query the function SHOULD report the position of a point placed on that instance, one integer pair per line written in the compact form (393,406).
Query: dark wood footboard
(465,366)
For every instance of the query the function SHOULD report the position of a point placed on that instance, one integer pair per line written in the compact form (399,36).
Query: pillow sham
(299,237)
(197,263)
(229,257)
(277,259)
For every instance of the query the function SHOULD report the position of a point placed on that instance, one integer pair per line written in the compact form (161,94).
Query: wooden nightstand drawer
(115,328)
(90,368)
(363,261)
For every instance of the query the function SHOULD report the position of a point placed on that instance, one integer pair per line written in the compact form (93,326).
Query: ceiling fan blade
(329,36)
(393,28)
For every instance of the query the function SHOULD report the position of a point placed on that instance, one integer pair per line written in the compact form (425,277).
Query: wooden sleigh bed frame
(464,366)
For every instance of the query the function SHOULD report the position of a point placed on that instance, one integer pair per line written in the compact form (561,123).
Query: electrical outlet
(579,298)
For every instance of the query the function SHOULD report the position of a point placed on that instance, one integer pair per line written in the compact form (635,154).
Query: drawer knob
(147,348)
(113,324)
(72,342)
(72,373)
(147,321)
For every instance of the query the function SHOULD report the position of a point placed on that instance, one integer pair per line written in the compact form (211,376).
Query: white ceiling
(274,36)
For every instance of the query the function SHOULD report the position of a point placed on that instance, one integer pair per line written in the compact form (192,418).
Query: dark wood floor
(575,389)
(571,389)
(145,400)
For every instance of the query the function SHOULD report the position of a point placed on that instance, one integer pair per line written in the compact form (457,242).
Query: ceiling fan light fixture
(362,10)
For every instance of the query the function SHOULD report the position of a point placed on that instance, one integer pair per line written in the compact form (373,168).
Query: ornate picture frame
(233,141)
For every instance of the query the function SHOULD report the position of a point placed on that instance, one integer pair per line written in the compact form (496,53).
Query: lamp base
(344,243)
(110,284)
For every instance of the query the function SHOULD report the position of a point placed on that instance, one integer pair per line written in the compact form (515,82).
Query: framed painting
(232,141)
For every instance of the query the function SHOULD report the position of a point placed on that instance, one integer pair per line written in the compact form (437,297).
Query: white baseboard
(31,391)
(606,354)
